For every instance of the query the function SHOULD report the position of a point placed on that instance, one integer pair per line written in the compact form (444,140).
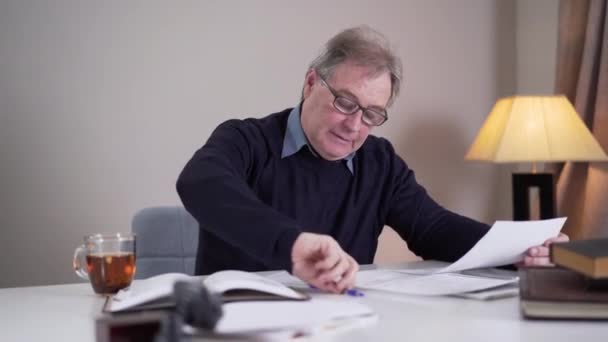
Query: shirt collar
(295,139)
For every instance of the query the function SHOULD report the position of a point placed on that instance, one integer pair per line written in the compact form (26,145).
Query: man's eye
(373,114)
(346,103)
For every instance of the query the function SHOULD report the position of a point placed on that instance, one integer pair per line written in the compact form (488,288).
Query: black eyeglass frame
(372,112)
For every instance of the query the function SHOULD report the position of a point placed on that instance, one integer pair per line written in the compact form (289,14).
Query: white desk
(67,313)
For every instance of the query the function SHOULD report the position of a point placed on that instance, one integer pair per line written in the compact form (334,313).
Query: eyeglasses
(346,106)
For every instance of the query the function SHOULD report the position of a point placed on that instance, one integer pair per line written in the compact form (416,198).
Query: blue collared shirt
(295,139)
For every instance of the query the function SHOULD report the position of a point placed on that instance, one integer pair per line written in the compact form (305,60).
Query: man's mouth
(341,138)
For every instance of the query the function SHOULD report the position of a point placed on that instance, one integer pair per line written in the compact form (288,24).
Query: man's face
(332,134)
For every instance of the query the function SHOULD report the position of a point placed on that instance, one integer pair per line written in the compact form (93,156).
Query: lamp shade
(534,129)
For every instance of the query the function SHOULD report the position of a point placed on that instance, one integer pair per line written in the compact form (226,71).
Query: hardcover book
(589,257)
(557,293)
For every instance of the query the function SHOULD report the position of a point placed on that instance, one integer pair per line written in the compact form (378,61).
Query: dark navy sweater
(251,204)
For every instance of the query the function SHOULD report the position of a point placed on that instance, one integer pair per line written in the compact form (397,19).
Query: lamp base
(522,182)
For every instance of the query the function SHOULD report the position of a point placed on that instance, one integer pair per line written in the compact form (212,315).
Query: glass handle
(80,263)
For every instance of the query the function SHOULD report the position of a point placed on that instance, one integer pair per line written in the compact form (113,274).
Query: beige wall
(103,102)
(536,37)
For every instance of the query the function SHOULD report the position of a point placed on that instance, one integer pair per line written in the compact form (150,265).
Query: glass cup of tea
(107,261)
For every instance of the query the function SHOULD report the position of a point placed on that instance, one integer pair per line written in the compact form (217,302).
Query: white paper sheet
(505,291)
(287,279)
(222,281)
(241,317)
(142,291)
(504,244)
(429,285)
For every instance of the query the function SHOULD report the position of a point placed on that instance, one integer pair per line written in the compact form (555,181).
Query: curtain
(582,75)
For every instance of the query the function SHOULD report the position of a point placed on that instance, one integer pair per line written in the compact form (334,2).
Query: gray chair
(167,239)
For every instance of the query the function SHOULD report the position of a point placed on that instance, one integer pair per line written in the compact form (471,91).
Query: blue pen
(349,292)
(354,293)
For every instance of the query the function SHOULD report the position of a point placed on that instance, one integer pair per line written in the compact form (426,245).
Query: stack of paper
(505,243)
(430,285)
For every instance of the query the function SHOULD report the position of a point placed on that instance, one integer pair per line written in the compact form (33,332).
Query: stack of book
(576,289)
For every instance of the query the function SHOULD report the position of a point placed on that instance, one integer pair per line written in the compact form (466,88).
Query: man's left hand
(539,255)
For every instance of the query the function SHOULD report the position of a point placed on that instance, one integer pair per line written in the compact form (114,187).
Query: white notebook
(231,285)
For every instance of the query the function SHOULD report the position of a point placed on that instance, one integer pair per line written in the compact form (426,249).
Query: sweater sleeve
(213,188)
(431,231)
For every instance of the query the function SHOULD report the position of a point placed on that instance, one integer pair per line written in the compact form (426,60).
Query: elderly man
(308,189)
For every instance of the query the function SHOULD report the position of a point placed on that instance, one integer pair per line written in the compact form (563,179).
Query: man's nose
(353,121)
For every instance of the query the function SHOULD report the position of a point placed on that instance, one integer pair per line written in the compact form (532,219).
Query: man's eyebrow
(355,98)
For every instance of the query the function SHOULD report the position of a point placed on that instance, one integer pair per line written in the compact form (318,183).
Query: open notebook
(232,286)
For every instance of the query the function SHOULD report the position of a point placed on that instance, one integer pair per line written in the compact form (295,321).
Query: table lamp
(534,129)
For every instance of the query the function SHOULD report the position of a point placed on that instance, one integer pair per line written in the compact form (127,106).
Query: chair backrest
(167,239)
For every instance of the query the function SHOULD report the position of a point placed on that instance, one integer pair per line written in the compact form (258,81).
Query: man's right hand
(320,261)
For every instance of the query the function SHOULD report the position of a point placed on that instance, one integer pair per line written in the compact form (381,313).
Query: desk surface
(67,313)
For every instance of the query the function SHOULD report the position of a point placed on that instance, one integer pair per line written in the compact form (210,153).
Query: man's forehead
(348,68)
(348,78)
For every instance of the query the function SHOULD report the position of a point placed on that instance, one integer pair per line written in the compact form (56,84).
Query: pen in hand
(354,293)
(350,292)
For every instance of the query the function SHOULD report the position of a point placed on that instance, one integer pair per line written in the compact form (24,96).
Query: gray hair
(363,46)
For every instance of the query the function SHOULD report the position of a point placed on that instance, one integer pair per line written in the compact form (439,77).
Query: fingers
(540,255)
(538,251)
(349,277)
(560,238)
(334,263)
(536,261)
(336,278)
(334,273)
(320,261)
(342,272)
(537,256)
(330,259)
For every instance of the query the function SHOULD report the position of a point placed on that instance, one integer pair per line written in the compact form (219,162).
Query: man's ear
(309,82)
